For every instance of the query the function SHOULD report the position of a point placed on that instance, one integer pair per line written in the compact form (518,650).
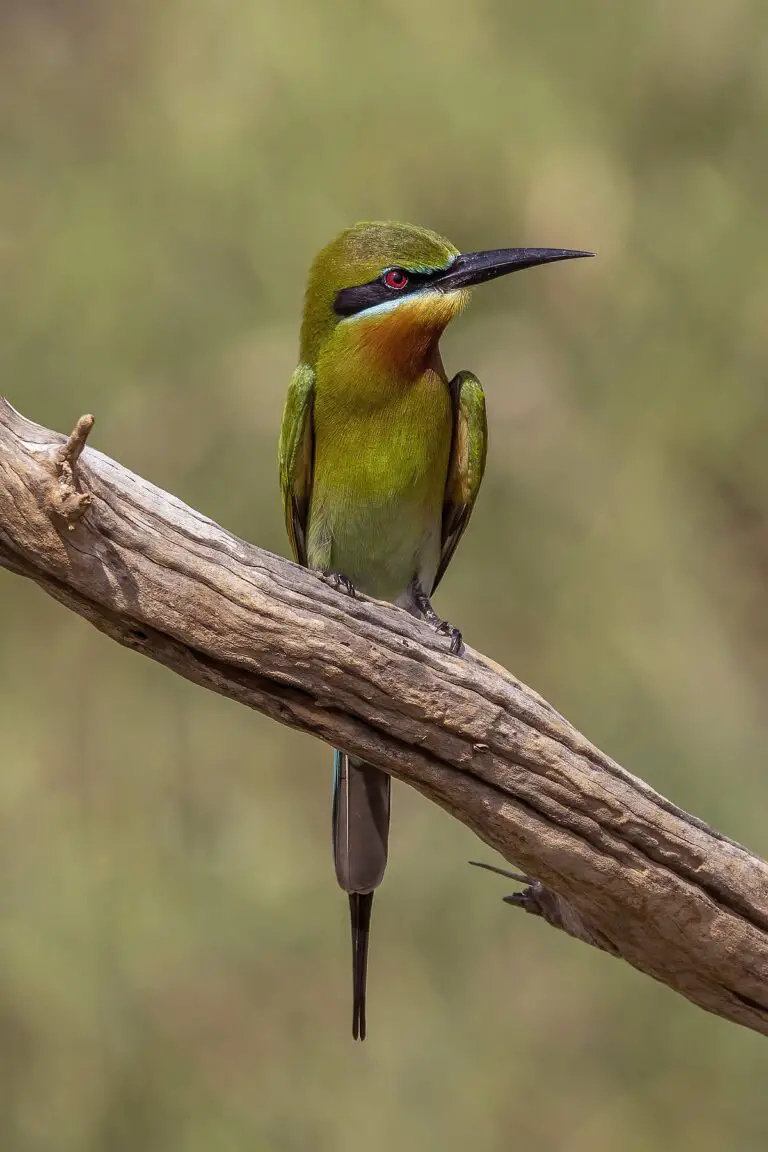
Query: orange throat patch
(405,336)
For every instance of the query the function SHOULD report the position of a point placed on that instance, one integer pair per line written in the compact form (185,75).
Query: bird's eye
(396,279)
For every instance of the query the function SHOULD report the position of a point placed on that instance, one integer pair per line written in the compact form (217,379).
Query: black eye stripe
(350,301)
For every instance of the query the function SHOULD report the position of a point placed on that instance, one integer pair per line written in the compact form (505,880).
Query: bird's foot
(442,627)
(340,582)
(445,629)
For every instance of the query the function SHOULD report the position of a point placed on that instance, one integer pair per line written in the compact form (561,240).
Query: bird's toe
(457,641)
(340,582)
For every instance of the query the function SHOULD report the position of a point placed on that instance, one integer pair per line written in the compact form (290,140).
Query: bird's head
(392,288)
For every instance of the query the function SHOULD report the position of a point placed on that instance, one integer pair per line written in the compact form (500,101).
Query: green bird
(381,458)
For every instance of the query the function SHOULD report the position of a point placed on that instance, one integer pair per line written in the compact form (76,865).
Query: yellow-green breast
(382,442)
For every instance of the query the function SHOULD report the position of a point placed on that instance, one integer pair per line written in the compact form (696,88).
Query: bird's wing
(296,457)
(466,464)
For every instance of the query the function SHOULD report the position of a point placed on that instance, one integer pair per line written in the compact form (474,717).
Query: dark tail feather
(360,906)
(360,836)
(360,823)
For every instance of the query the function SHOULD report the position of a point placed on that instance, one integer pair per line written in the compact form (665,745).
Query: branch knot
(66,497)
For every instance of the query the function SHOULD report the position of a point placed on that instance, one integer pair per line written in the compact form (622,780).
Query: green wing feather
(466,465)
(296,458)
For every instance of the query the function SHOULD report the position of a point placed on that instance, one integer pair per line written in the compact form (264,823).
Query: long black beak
(476,267)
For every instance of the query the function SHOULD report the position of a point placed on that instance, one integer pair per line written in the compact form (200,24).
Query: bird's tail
(360,838)
(360,906)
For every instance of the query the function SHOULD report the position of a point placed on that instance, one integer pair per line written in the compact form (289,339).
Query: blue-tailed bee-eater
(381,459)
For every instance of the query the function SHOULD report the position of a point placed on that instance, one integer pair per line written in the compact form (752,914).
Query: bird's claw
(340,582)
(457,641)
(442,627)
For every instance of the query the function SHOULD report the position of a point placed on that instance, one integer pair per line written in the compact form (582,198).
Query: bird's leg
(338,581)
(422,602)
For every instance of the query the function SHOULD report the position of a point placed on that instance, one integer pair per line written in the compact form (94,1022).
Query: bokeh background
(174,957)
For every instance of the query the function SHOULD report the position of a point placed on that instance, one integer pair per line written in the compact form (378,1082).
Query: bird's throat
(404,339)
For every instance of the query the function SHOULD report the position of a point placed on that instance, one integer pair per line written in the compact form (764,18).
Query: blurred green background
(174,954)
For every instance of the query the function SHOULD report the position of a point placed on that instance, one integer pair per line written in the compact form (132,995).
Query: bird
(381,457)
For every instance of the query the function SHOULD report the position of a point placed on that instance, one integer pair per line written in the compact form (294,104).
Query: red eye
(396,279)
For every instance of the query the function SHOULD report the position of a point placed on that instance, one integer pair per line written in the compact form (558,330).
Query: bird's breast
(381,459)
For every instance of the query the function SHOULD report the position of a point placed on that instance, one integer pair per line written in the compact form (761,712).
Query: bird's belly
(381,548)
(377,503)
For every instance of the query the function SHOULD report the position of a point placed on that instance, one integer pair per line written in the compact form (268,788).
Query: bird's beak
(475,267)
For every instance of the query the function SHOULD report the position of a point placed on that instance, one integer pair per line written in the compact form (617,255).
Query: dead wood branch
(616,864)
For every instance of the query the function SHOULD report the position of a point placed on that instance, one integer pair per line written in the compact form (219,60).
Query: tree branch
(617,865)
